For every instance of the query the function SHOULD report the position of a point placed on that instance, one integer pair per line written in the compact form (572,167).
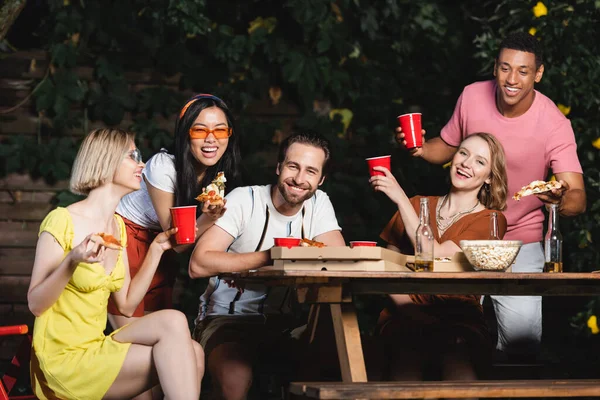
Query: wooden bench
(438,389)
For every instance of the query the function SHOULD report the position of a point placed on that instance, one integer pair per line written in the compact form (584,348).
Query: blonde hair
(98,158)
(493,195)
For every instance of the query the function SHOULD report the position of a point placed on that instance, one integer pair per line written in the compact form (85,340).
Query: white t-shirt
(137,206)
(245,220)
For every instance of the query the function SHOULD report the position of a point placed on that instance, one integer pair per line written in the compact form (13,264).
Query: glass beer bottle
(553,243)
(494,226)
(424,240)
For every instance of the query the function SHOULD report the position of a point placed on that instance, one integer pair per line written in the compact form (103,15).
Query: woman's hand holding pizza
(214,210)
(387,184)
(88,251)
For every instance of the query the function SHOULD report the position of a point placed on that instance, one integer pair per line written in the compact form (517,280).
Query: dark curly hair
(523,41)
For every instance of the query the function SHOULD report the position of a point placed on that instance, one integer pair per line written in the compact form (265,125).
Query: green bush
(348,67)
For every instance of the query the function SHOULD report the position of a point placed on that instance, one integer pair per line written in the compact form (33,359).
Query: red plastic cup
(381,161)
(184,219)
(288,242)
(411,126)
(362,243)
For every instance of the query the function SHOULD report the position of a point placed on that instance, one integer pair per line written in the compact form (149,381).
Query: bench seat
(454,389)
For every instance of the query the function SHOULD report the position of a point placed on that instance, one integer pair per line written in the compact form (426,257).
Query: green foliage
(375,59)
(52,161)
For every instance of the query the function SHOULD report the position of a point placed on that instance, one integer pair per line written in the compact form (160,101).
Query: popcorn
(491,255)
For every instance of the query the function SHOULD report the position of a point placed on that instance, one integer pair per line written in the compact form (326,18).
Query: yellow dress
(71,356)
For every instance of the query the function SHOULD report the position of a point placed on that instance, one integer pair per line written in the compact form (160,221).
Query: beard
(291,198)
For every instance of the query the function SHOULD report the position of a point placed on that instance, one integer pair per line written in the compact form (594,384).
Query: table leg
(347,339)
(313,319)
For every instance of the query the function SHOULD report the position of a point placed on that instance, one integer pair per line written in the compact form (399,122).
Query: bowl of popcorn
(491,255)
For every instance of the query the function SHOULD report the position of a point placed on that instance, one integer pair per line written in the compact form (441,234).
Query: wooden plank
(11,96)
(11,226)
(455,389)
(24,211)
(16,314)
(22,122)
(21,196)
(18,65)
(25,123)
(480,276)
(319,294)
(16,261)
(312,322)
(25,183)
(19,239)
(500,283)
(13,289)
(349,346)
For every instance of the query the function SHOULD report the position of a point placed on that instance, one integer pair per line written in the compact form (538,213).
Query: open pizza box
(374,259)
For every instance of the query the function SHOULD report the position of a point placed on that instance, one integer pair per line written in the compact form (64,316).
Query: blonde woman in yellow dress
(73,277)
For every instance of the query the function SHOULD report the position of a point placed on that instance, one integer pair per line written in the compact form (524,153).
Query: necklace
(444,223)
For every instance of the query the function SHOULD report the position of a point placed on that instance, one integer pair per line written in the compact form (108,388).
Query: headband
(197,97)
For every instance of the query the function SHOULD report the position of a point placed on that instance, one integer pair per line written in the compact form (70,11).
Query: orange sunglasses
(200,132)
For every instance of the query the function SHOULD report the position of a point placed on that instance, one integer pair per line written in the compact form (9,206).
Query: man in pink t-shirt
(537,138)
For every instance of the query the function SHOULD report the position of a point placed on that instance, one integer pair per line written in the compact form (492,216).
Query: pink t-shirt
(539,140)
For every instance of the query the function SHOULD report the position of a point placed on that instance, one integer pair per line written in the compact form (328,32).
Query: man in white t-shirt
(232,325)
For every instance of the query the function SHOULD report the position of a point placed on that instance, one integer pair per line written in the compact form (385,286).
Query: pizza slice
(536,187)
(108,241)
(215,192)
(311,243)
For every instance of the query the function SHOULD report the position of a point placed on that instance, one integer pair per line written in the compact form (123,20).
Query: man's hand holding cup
(410,134)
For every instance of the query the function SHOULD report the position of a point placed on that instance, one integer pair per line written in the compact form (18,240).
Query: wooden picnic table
(337,289)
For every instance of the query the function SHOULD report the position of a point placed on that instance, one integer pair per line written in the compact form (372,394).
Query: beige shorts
(254,332)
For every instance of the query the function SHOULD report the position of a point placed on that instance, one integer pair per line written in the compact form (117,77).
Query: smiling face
(300,173)
(516,74)
(471,165)
(129,172)
(209,151)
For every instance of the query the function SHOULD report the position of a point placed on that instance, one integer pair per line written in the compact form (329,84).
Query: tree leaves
(64,55)
(350,55)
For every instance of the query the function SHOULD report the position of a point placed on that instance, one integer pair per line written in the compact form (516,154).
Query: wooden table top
(479,282)
(270,272)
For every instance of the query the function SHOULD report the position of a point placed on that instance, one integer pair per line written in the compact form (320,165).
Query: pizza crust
(536,187)
(311,243)
(106,240)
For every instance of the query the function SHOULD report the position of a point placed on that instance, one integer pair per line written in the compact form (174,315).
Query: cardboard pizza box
(338,259)
(336,253)
(359,259)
